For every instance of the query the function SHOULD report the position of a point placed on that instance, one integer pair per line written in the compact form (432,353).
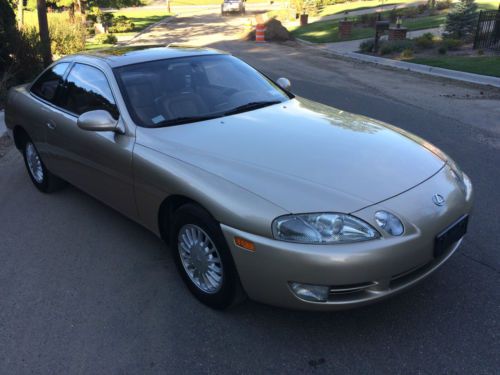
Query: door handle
(51,125)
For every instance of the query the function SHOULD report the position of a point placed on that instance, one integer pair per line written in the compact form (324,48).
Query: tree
(43,26)
(461,21)
(8,34)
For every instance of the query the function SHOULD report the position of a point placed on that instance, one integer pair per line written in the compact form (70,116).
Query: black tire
(46,182)
(230,291)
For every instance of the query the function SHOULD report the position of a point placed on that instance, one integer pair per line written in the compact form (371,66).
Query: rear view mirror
(284,83)
(98,121)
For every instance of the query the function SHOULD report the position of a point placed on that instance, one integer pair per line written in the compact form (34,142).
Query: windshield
(189,89)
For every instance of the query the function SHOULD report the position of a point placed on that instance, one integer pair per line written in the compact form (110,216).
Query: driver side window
(46,86)
(87,89)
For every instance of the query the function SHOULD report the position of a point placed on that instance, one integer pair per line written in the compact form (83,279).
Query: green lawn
(142,18)
(327,31)
(486,65)
(358,5)
(488,4)
(173,3)
(421,23)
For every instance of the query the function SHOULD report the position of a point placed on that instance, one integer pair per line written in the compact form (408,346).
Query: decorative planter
(304,19)
(345,28)
(397,33)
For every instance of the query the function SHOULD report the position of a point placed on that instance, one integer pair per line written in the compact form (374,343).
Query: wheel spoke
(200,258)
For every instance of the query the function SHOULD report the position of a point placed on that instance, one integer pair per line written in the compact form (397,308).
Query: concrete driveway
(85,291)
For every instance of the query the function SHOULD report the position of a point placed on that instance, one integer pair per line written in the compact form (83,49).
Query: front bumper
(358,273)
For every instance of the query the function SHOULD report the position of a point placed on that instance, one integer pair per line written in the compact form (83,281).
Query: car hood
(303,156)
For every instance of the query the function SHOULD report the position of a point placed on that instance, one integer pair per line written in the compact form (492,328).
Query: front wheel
(39,174)
(203,258)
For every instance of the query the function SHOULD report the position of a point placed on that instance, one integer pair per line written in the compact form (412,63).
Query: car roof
(128,55)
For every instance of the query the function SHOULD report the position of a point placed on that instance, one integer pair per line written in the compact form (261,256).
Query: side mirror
(98,121)
(284,83)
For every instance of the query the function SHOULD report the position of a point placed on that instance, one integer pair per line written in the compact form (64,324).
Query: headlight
(322,228)
(389,222)
(461,178)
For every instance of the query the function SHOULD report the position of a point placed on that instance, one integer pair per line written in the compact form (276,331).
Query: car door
(100,163)
(42,110)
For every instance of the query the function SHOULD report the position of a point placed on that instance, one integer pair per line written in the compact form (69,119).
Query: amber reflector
(241,242)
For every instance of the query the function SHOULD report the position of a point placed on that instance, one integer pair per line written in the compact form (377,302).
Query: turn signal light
(245,244)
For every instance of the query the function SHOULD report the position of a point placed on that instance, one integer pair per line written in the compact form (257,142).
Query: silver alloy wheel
(34,163)
(200,258)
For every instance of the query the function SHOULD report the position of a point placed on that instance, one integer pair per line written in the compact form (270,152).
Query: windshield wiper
(239,109)
(250,106)
(184,120)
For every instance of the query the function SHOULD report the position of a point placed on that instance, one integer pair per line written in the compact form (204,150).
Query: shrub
(66,37)
(105,39)
(442,50)
(20,58)
(394,14)
(424,41)
(410,12)
(368,19)
(480,52)
(367,45)
(121,24)
(107,18)
(407,53)
(395,46)
(452,44)
(94,14)
(461,21)
(421,8)
(444,4)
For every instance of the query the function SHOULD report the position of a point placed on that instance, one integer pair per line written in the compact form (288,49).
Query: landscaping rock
(275,32)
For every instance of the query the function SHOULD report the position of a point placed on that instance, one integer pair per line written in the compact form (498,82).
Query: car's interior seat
(142,97)
(180,98)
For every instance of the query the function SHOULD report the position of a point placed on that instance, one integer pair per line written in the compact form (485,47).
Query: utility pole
(43,26)
(168,6)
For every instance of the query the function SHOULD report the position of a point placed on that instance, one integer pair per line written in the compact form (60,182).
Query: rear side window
(46,86)
(87,89)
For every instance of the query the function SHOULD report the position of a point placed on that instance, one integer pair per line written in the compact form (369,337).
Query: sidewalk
(360,12)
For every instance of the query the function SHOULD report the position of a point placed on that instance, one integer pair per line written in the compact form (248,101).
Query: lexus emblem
(438,199)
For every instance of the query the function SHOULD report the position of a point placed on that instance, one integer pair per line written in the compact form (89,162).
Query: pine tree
(461,21)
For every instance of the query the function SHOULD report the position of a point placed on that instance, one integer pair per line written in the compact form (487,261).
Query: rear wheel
(39,174)
(203,258)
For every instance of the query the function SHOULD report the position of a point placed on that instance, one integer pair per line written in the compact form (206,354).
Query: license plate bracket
(450,235)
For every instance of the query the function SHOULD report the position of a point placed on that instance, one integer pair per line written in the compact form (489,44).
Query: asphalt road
(83,290)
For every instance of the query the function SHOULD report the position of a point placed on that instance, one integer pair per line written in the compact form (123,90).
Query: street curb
(147,29)
(477,79)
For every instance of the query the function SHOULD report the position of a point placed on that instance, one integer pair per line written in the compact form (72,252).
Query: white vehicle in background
(232,6)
